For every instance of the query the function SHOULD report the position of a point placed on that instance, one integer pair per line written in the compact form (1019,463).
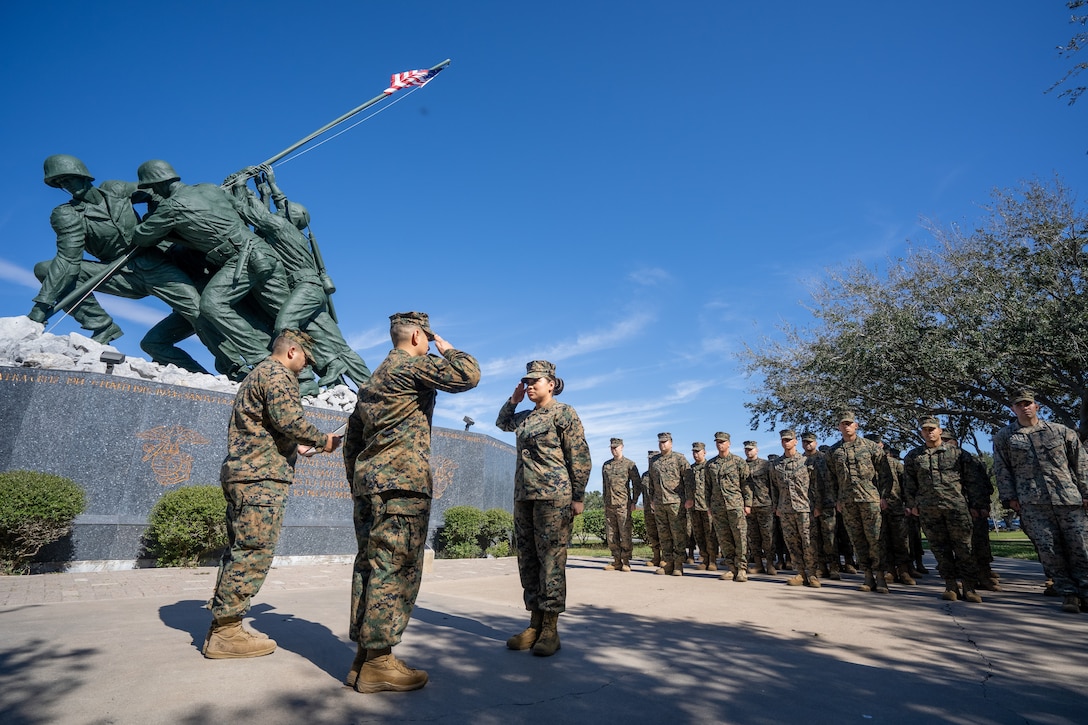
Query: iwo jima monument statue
(236,264)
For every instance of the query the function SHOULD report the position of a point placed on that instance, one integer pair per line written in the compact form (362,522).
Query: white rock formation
(25,344)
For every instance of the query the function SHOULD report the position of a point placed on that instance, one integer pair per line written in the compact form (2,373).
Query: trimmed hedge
(187,526)
(35,509)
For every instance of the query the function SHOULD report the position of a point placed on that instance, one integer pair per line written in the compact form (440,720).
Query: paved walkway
(123,647)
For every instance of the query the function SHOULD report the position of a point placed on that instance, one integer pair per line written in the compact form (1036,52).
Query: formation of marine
(857,508)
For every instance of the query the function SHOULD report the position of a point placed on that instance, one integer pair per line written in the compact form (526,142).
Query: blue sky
(632,190)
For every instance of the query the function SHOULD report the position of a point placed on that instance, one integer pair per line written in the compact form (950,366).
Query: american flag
(407,78)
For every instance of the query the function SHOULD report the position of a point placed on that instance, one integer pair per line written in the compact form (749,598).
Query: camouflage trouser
(894,531)
(949,535)
(980,543)
(863,526)
(704,535)
(798,538)
(542,530)
(671,531)
(822,532)
(914,538)
(761,533)
(391,531)
(781,550)
(652,537)
(254,518)
(842,538)
(619,529)
(689,538)
(1060,535)
(731,526)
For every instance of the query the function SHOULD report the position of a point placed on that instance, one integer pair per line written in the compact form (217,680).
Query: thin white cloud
(650,276)
(367,339)
(131,310)
(20,276)
(622,331)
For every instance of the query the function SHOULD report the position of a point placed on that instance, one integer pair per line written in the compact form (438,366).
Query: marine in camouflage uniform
(860,471)
(699,514)
(940,485)
(796,489)
(553,467)
(670,475)
(980,522)
(761,519)
(652,537)
(894,529)
(387,451)
(1042,474)
(822,523)
(266,428)
(730,503)
(621,482)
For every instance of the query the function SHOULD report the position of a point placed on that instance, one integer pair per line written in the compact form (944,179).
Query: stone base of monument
(128,441)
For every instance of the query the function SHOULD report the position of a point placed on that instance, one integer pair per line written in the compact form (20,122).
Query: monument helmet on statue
(58,166)
(154,172)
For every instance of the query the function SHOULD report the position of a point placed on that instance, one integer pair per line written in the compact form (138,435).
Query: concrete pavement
(123,647)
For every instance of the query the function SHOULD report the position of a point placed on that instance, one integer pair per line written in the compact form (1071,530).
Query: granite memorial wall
(127,442)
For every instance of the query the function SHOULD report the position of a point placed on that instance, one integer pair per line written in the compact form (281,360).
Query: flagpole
(85,289)
(302,142)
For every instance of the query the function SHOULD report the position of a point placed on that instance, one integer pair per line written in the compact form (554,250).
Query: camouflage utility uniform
(387,450)
(727,480)
(266,427)
(1045,468)
(860,471)
(822,527)
(796,489)
(699,514)
(648,518)
(761,520)
(943,484)
(668,479)
(621,483)
(553,467)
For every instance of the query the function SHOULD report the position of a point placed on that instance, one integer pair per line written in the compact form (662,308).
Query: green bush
(461,526)
(498,527)
(461,550)
(500,549)
(187,526)
(578,529)
(593,523)
(35,509)
(638,524)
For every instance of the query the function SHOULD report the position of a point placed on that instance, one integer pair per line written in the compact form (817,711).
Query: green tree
(1069,50)
(593,500)
(951,329)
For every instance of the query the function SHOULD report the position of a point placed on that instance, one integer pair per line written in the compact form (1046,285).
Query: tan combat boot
(356,665)
(796,580)
(1071,603)
(711,565)
(678,567)
(813,581)
(835,575)
(870,582)
(970,595)
(527,638)
(548,643)
(902,575)
(616,565)
(228,639)
(625,566)
(951,591)
(770,568)
(741,575)
(382,672)
(881,583)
